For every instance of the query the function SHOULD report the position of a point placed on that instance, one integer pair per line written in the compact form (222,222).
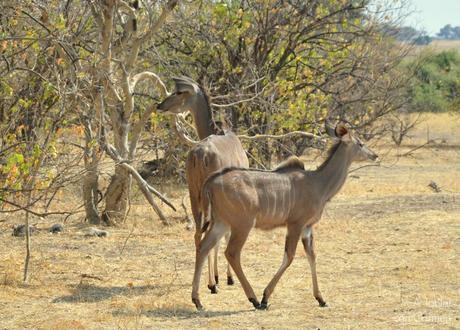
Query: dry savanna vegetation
(439,46)
(102,101)
(387,247)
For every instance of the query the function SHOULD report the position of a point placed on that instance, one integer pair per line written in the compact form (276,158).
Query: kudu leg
(230,280)
(212,236)
(213,268)
(292,238)
(216,266)
(213,273)
(233,255)
(196,214)
(309,246)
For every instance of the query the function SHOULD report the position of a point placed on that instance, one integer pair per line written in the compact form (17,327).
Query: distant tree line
(449,32)
(411,34)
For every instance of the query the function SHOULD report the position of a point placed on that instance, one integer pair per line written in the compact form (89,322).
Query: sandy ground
(388,257)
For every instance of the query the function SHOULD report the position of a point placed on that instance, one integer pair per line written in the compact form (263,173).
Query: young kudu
(212,153)
(240,199)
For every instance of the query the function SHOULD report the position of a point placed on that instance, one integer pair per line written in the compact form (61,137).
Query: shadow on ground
(179,313)
(88,293)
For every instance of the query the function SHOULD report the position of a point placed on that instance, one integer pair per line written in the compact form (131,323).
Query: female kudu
(212,153)
(240,199)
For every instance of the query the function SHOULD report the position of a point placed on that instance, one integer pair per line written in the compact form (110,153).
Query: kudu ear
(338,132)
(184,84)
(341,130)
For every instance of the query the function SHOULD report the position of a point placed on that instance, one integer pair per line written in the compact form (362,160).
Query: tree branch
(282,136)
(26,209)
(179,122)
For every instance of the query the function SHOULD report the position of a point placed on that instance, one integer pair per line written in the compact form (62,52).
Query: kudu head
(187,96)
(357,149)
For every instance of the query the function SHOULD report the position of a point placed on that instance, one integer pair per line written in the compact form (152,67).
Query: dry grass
(387,249)
(438,46)
(441,45)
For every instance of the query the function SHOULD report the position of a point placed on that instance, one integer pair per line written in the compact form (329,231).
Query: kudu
(212,153)
(240,199)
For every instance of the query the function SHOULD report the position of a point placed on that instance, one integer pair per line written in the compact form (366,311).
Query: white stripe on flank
(275,206)
(288,192)
(281,215)
(287,205)
(293,198)
(222,187)
(266,204)
(241,201)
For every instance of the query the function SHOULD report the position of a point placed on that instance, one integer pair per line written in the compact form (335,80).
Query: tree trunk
(117,197)
(90,195)
(90,180)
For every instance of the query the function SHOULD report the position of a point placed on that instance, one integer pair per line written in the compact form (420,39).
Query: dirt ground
(388,257)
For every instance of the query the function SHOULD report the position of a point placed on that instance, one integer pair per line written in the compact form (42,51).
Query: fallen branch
(418,147)
(146,189)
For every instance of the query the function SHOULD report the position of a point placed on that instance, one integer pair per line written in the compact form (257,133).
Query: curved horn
(186,84)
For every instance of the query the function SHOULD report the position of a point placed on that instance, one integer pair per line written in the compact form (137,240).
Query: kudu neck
(333,173)
(201,112)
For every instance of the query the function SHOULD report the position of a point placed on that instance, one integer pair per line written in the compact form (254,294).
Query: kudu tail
(205,207)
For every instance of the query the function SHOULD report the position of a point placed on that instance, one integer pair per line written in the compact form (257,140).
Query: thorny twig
(418,147)
(175,275)
(189,221)
(126,240)
(94,277)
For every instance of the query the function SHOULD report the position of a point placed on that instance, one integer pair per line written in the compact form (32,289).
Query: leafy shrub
(436,84)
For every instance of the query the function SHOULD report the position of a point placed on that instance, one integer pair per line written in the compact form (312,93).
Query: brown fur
(213,153)
(330,153)
(291,163)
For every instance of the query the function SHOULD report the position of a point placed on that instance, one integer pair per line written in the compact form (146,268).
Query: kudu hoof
(264,303)
(262,306)
(213,288)
(255,302)
(217,279)
(230,280)
(197,303)
(321,302)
